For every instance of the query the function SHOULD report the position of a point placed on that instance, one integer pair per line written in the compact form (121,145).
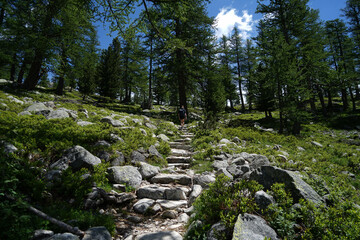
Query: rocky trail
(163,203)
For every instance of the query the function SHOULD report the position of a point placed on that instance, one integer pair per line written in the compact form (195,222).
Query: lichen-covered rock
(97,233)
(128,175)
(136,157)
(148,171)
(76,157)
(263,200)
(251,227)
(268,175)
(57,114)
(114,123)
(38,107)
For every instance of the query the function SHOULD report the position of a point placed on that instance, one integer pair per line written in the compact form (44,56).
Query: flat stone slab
(143,204)
(180,152)
(152,192)
(172,178)
(171,204)
(178,159)
(160,236)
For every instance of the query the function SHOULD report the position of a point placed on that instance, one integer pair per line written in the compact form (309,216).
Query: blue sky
(242,13)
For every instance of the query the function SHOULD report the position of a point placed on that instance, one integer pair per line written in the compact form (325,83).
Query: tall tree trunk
(344,99)
(353,100)
(33,75)
(357,92)
(61,83)
(21,72)
(240,83)
(150,100)
(13,68)
(330,103)
(180,71)
(281,127)
(2,15)
(321,97)
(312,97)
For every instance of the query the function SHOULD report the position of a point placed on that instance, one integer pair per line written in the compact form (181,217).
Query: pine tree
(238,58)
(109,70)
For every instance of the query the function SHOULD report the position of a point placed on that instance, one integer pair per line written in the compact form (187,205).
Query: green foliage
(225,200)
(164,148)
(99,175)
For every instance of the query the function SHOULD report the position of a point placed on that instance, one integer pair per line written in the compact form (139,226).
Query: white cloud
(228,18)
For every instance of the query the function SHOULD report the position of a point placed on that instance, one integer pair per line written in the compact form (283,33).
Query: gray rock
(204,180)
(258,161)
(224,141)
(225,172)
(251,227)
(163,137)
(148,171)
(235,170)
(239,161)
(152,192)
(42,234)
(8,147)
(128,175)
(301,149)
(149,125)
(143,131)
(4,107)
(24,113)
(15,100)
(116,138)
(135,219)
(38,107)
(64,236)
(119,160)
(172,178)
(97,233)
(183,218)
(220,164)
(316,144)
(111,121)
(175,194)
(282,158)
(268,175)
(172,214)
(77,158)
(136,157)
(218,231)
(196,191)
(263,200)
(50,104)
(104,155)
(57,114)
(154,152)
(84,123)
(102,143)
(160,236)
(143,205)
(171,204)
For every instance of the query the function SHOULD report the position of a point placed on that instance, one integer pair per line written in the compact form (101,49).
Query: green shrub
(224,201)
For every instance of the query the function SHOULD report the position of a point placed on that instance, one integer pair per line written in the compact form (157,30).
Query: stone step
(180,165)
(183,140)
(159,192)
(159,235)
(178,159)
(180,152)
(187,135)
(180,145)
(164,178)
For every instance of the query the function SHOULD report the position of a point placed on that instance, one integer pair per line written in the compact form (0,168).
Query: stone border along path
(162,209)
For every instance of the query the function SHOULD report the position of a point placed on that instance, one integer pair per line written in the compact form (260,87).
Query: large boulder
(154,152)
(64,236)
(268,175)
(258,161)
(143,205)
(136,157)
(263,200)
(76,157)
(204,180)
(148,171)
(111,121)
(196,191)
(251,227)
(160,236)
(57,114)
(38,107)
(97,233)
(152,192)
(128,175)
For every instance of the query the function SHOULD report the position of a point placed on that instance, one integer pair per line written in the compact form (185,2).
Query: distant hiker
(182,115)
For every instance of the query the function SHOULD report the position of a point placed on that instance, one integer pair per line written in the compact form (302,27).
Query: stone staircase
(162,207)
(181,153)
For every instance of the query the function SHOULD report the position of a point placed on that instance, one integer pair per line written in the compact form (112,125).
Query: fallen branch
(66,227)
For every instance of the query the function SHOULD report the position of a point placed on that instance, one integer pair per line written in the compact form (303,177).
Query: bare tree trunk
(353,100)
(13,68)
